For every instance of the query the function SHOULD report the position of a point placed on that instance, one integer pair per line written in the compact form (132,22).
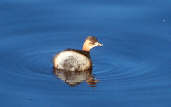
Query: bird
(74,59)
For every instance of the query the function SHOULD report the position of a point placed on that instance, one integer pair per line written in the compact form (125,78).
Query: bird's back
(72,60)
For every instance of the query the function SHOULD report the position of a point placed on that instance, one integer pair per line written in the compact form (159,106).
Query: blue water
(133,67)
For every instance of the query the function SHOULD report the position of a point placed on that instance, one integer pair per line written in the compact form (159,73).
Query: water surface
(133,66)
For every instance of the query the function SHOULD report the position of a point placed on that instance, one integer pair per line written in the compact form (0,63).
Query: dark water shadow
(74,78)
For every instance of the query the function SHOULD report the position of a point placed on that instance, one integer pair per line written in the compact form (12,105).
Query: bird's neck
(86,47)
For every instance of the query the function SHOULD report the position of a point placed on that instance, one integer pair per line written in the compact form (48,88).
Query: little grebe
(76,60)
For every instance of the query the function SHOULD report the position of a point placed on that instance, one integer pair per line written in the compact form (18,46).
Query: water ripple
(36,60)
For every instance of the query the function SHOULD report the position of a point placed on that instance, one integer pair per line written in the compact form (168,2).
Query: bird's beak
(98,44)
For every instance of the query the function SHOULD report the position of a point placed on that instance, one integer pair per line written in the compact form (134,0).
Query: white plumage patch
(70,60)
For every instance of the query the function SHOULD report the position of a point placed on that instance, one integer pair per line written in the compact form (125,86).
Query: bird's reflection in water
(74,78)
